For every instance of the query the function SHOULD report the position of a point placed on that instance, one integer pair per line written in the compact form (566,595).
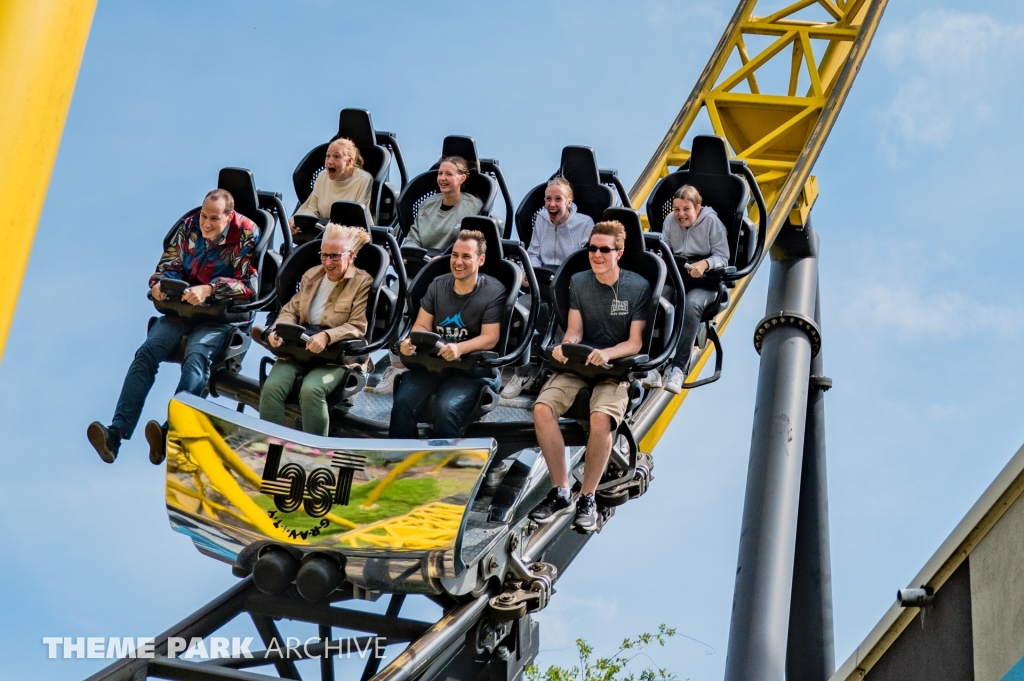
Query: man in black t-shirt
(608,308)
(464,308)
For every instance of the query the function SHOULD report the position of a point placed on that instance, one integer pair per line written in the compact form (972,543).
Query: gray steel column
(810,653)
(764,574)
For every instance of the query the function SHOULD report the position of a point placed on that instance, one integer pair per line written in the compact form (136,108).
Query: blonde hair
(564,184)
(461,165)
(354,238)
(612,228)
(350,149)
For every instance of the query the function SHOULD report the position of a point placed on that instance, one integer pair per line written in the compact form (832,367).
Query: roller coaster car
(590,194)
(727,187)
(485,180)
(383,313)
(264,209)
(376,148)
(516,324)
(660,337)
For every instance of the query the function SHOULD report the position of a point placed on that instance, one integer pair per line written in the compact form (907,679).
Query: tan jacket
(345,311)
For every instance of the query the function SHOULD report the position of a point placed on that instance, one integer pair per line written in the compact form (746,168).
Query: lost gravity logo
(317,492)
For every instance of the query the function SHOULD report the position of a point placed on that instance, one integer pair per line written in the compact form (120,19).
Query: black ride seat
(726,186)
(661,334)
(516,323)
(242,186)
(592,197)
(380,308)
(356,125)
(635,258)
(424,185)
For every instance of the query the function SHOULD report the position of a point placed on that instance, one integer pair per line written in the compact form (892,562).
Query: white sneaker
(652,380)
(674,384)
(387,381)
(515,386)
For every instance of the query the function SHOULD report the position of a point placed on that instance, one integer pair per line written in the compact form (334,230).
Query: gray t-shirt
(608,311)
(459,318)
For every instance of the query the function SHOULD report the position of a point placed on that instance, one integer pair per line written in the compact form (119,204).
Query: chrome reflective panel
(233,479)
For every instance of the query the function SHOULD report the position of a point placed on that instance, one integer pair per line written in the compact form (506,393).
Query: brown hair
(564,184)
(351,150)
(688,193)
(222,195)
(354,238)
(612,228)
(474,235)
(461,165)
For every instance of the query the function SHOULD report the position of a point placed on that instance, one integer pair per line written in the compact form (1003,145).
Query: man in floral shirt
(212,252)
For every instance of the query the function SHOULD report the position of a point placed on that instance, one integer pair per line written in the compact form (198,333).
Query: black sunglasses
(604,249)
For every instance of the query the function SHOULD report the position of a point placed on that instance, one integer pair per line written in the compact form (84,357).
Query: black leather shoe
(106,441)
(550,506)
(156,436)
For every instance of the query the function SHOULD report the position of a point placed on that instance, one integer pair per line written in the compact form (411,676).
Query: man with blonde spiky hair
(333,297)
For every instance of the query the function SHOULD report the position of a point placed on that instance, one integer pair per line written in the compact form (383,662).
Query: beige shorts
(608,397)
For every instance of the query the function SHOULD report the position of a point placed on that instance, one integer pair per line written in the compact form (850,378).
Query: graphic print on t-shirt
(620,307)
(452,328)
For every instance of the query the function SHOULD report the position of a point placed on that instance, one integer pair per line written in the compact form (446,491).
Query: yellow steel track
(778,133)
(41,46)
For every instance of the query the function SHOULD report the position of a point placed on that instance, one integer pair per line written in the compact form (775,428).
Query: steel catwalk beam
(810,651)
(764,575)
(41,46)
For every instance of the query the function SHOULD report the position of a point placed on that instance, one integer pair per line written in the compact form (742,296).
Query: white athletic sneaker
(515,386)
(674,384)
(652,380)
(387,381)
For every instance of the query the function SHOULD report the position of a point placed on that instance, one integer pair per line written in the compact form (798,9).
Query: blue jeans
(456,398)
(203,344)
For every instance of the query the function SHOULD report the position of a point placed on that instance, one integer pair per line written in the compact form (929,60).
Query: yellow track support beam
(778,134)
(41,46)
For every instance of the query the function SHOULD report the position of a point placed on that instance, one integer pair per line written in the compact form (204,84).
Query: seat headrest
(709,155)
(351,214)
(242,186)
(579,166)
(630,219)
(460,145)
(489,227)
(356,125)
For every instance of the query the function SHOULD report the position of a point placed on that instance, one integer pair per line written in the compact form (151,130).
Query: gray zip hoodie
(551,245)
(705,239)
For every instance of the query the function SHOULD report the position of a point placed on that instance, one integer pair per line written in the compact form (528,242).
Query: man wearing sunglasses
(211,250)
(332,297)
(608,308)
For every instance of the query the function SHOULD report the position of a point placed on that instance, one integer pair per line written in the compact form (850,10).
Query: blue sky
(922,298)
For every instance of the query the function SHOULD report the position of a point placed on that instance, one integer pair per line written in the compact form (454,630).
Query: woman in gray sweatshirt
(559,230)
(697,236)
(437,220)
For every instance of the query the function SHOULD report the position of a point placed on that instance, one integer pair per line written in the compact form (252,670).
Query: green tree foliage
(613,668)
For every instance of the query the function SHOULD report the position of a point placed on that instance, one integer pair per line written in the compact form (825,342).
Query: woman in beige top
(333,296)
(343,179)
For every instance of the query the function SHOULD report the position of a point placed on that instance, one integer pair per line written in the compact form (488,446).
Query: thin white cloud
(907,310)
(952,69)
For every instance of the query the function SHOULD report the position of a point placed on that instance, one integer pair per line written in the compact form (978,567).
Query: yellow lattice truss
(432,526)
(778,133)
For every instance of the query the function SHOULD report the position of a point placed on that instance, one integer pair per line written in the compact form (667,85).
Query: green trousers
(317,384)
